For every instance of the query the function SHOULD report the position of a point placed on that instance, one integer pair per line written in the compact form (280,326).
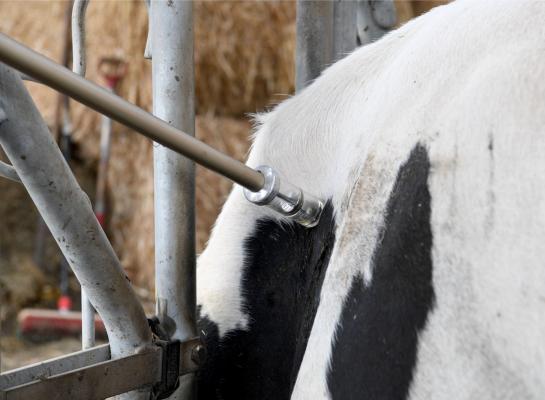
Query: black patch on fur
(284,271)
(374,354)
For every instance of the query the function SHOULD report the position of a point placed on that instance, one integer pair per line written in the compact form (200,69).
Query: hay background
(244,60)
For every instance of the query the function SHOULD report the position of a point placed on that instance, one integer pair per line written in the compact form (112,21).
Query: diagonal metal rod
(67,211)
(79,66)
(60,78)
(7,171)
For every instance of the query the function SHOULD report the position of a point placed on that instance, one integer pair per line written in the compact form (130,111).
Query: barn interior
(244,63)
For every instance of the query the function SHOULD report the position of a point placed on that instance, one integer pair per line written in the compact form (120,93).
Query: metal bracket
(91,374)
(285,198)
(170,366)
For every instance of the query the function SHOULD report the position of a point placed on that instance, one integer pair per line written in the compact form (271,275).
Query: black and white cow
(425,278)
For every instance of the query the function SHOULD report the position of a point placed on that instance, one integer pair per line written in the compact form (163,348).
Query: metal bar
(79,63)
(102,173)
(45,70)
(94,382)
(58,126)
(67,211)
(174,175)
(345,34)
(79,66)
(54,366)
(314,42)
(87,322)
(8,172)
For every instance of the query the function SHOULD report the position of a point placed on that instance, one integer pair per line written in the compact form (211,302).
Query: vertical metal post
(173,101)
(79,66)
(314,42)
(345,34)
(329,30)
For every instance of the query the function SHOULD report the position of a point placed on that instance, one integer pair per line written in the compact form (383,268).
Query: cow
(425,277)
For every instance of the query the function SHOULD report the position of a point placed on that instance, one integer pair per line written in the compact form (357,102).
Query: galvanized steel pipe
(79,66)
(314,42)
(79,58)
(171,33)
(345,34)
(50,73)
(8,172)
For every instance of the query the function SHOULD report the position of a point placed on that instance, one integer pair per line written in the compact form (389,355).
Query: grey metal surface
(8,172)
(79,60)
(87,322)
(345,34)
(375,18)
(99,99)
(54,366)
(67,211)
(174,175)
(314,42)
(79,66)
(104,151)
(93,382)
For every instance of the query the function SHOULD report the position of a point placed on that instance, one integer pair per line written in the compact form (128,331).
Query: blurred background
(244,63)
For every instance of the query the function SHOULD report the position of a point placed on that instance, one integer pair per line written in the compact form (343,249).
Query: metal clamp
(286,199)
(179,357)
(76,376)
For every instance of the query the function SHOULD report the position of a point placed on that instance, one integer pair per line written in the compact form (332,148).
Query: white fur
(454,79)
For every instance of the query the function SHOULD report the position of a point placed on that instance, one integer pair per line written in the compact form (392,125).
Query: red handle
(112,69)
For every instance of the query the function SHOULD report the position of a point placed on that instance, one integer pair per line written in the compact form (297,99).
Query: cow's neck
(282,274)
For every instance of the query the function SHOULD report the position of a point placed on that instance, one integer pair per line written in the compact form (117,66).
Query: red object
(33,321)
(111,81)
(101,218)
(112,69)
(64,303)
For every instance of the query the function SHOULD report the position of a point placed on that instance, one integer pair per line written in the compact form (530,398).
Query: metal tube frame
(345,35)
(174,175)
(314,41)
(329,30)
(79,66)
(8,172)
(67,211)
